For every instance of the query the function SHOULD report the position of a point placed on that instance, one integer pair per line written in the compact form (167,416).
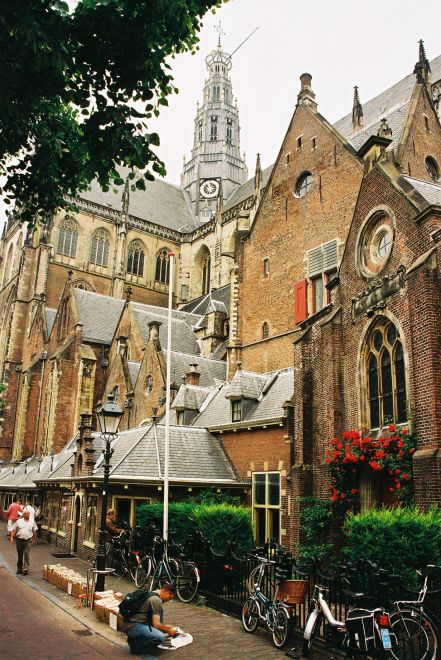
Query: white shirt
(24,529)
(31,510)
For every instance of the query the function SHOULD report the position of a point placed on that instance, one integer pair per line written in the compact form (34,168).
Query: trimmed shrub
(399,540)
(315,518)
(219,523)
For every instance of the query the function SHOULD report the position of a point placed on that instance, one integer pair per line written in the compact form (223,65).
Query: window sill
(89,544)
(63,534)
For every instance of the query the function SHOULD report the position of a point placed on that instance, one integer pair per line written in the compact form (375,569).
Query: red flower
(400,444)
(391,489)
(405,431)
(362,457)
(374,465)
(398,486)
(405,476)
(398,471)
(354,491)
(391,428)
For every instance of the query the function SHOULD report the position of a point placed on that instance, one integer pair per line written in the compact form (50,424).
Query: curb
(59,603)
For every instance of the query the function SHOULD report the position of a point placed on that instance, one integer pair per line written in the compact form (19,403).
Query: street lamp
(109,417)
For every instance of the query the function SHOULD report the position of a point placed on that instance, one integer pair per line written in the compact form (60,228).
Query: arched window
(148,385)
(135,259)
(265,330)
(82,285)
(161,272)
(68,238)
(7,271)
(385,372)
(206,272)
(99,248)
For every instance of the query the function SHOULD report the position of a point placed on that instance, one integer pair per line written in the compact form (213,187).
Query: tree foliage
(78,86)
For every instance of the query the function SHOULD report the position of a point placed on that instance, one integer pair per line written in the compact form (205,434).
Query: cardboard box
(44,571)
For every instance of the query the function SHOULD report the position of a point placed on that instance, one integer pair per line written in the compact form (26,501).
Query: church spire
(357,111)
(422,68)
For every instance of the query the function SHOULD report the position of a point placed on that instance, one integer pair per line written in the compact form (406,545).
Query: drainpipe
(43,358)
(18,370)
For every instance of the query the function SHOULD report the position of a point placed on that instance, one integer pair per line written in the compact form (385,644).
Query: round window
(303,184)
(375,244)
(432,168)
(383,243)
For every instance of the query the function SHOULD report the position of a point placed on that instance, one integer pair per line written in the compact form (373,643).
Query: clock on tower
(209,188)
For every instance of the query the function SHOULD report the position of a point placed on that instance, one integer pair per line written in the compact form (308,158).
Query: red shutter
(300,301)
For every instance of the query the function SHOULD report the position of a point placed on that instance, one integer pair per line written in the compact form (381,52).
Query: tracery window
(385,371)
(135,259)
(99,248)
(161,272)
(213,128)
(68,238)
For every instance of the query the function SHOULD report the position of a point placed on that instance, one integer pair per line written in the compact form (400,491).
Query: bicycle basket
(292,592)
(360,628)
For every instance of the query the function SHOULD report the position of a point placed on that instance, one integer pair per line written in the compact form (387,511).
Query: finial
(125,198)
(258,174)
(129,292)
(69,275)
(306,95)
(422,68)
(384,129)
(357,111)
(220,32)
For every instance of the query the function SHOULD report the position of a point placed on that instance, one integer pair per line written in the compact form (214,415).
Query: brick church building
(307,302)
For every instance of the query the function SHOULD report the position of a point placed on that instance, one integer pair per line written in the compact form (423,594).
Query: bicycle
(180,572)
(121,555)
(363,631)
(415,630)
(258,608)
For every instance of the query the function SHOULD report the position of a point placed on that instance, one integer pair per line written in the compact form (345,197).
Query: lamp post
(109,417)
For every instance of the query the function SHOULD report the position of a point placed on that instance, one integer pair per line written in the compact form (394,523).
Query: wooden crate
(292,591)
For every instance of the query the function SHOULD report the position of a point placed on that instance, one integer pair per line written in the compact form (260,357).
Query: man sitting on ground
(145,629)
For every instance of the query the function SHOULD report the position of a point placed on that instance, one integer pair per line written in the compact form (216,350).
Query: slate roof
(134,368)
(196,456)
(190,397)
(395,120)
(246,190)
(161,203)
(50,315)
(391,104)
(246,385)
(430,191)
(215,300)
(209,369)
(278,388)
(182,336)
(98,314)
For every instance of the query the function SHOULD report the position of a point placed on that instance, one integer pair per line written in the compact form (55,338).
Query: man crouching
(145,629)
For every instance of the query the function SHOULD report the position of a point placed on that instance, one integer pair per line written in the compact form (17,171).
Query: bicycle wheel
(143,571)
(250,615)
(416,635)
(187,582)
(314,625)
(282,628)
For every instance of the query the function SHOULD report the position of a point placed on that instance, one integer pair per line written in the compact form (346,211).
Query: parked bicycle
(121,554)
(415,630)
(364,632)
(180,572)
(275,614)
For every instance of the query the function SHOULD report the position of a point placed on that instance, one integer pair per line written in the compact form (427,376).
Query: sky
(340,43)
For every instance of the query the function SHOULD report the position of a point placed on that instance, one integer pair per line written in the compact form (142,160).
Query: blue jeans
(144,637)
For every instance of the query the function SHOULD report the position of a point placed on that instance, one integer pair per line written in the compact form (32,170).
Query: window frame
(99,248)
(236,410)
(266,506)
(90,535)
(300,191)
(136,253)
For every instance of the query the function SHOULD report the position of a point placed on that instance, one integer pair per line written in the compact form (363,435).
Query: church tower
(215,156)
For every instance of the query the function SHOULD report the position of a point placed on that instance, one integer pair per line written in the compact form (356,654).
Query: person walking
(25,533)
(14,510)
(28,507)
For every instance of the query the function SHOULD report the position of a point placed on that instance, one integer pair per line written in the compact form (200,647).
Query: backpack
(133,601)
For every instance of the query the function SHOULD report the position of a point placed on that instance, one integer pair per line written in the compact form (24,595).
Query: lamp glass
(109,417)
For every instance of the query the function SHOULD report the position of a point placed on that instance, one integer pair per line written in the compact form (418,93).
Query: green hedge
(219,523)
(399,540)
(315,518)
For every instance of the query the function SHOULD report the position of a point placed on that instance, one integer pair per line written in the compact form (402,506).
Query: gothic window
(229,130)
(385,371)
(226,95)
(161,272)
(216,92)
(135,259)
(91,511)
(200,125)
(82,285)
(149,384)
(67,238)
(213,128)
(303,184)
(206,270)
(432,168)
(265,330)
(99,248)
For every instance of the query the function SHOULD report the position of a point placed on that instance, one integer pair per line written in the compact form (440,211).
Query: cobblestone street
(71,632)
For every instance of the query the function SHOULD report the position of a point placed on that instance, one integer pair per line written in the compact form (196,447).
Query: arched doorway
(75,522)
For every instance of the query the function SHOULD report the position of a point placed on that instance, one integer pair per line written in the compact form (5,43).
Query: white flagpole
(171,258)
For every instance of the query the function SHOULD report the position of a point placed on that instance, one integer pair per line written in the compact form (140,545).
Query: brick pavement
(215,634)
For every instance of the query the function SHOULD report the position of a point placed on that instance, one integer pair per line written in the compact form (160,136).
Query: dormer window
(236,410)
(180,418)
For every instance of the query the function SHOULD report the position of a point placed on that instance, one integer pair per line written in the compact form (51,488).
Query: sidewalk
(215,635)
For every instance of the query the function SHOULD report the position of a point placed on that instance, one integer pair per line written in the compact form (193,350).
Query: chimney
(154,330)
(192,376)
(306,95)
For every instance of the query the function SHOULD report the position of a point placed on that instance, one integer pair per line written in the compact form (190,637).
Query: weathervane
(220,32)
